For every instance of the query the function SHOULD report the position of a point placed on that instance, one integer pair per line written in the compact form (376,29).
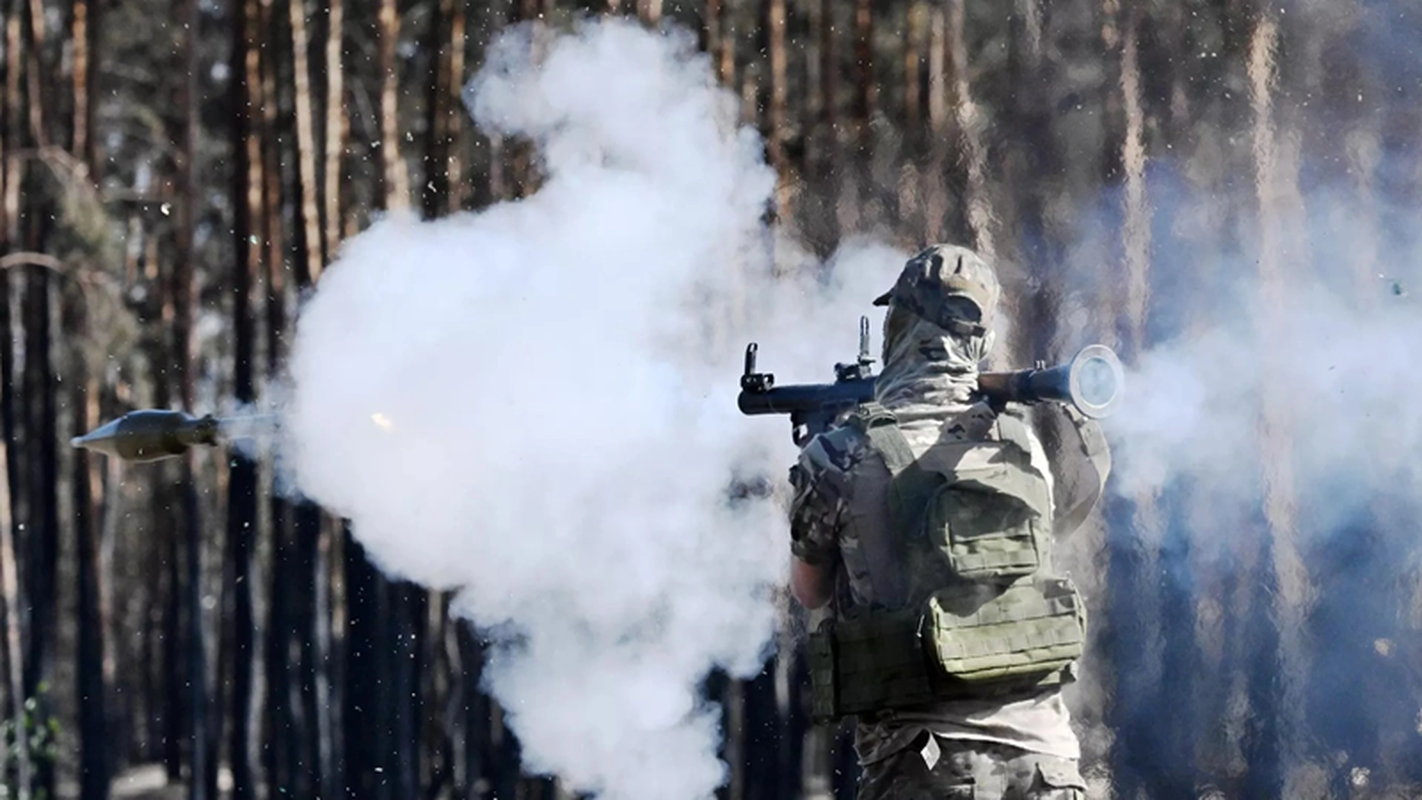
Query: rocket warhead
(150,435)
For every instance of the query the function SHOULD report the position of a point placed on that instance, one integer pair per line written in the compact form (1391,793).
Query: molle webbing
(979,502)
(967,642)
(870,662)
(996,556)
(1028,629)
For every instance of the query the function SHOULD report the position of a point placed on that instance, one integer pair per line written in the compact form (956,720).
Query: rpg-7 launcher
(1091,381)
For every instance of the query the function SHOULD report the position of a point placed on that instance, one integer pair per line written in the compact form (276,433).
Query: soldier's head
(946,293)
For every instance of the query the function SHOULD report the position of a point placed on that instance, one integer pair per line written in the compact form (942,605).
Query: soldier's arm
(812,585)
(815,513)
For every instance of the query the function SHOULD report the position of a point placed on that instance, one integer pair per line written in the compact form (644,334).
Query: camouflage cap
(949,286)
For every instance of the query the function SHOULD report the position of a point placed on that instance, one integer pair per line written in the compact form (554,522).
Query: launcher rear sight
(755,382)
(812,407)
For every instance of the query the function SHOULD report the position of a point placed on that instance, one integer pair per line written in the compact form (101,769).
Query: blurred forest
(176,173)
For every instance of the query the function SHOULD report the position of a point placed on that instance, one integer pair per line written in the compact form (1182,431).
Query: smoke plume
(1268,467)
(534,405)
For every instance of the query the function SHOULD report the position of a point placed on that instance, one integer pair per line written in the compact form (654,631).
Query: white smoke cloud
(535,404)
(1338,375)
(1278,430)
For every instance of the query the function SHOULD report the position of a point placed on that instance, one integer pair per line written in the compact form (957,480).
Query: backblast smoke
(1262,559)
(534,405)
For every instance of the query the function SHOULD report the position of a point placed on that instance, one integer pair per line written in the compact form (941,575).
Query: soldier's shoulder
(1016,424)
(837,449)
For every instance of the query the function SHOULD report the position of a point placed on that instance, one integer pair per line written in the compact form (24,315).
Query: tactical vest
(957,542)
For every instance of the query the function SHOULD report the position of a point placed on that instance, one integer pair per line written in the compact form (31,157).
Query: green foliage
(41,733)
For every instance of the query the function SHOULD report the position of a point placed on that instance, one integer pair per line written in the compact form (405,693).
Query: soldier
(926,521)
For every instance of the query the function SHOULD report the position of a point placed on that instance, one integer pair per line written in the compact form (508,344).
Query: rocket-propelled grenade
(153,434)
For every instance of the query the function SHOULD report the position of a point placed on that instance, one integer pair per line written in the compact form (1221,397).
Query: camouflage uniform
(971,770)
(1017,745)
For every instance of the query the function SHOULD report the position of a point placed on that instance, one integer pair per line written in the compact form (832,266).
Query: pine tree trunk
(1136,231)
(457,131)
(854,173)
(980,216)
(936,223)
(779,134)
(1279,229)
(365,727)
(336,123)
(438,107)
(829,156)
(322,650)
(42,529)
(10,587)
(309,250)
(182,292)
(94,758)
(479,756)
(282,761)
(1136,604)
(173,699)
(10,492)
(242,484)
(436,746)
(312,768)
(396,194)
(39,545)
(11,171)
(306,528)
(910,178)
(407,617)
(329,678)
(79,38)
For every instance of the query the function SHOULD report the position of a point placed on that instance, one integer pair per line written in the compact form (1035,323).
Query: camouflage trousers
(934,768)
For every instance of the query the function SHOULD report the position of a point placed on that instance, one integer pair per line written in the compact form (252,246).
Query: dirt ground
(148,782)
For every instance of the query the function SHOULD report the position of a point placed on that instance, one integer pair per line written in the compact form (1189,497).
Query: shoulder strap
(1013,430)
(1026,480)
(882,428)
(910,486)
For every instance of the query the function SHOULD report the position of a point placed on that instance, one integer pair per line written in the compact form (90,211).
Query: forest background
(177,173)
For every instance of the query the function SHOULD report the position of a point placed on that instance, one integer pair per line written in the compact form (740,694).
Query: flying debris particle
(1383,646)
(1394,286)
(382,421)
(166,209)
